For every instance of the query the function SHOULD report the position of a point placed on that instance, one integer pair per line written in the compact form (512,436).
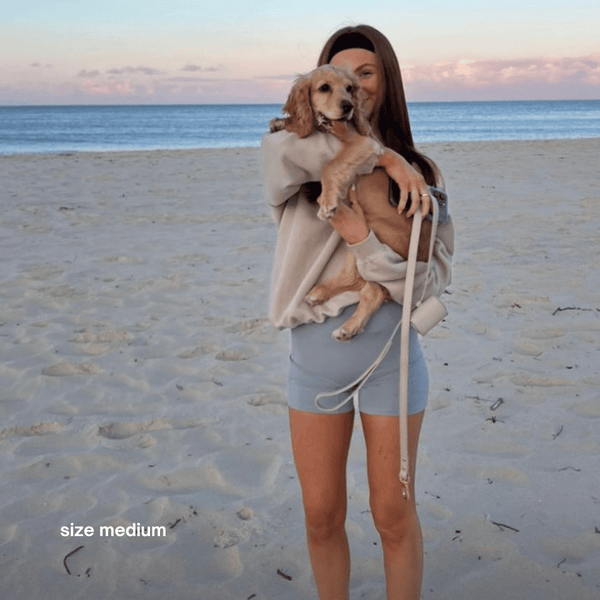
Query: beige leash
(426,315)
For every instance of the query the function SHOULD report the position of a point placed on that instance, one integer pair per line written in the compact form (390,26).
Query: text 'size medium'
(133,530)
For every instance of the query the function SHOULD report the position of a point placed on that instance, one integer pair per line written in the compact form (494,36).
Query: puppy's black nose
(346,106)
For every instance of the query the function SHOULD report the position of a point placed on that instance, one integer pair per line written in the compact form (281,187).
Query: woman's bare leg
(395,517)
(320,444)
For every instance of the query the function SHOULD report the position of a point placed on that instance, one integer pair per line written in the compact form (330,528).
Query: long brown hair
(392,120)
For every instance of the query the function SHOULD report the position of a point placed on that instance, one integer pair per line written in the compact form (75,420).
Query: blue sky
(184,51)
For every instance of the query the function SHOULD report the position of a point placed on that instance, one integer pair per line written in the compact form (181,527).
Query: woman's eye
(365,73)
(324,88)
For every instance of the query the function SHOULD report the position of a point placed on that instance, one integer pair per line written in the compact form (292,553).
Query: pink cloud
(277,84)
(286,77)
(196,68)
(135,70)
(109,88)
(194,79)
(481,74)
(84,73)
(462,80)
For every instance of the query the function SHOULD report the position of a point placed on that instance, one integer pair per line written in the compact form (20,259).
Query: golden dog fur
(329,99)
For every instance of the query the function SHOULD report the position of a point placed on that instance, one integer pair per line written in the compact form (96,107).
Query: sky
(249,51)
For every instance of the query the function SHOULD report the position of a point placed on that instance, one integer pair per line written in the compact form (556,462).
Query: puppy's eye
(349,88)
(324,88)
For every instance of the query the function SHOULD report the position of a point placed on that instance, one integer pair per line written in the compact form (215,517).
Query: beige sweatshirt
(309,250)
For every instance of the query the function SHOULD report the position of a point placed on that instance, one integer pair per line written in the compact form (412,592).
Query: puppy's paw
(316,296)
(326,213)
(341,334)
(327,206)
(346,332)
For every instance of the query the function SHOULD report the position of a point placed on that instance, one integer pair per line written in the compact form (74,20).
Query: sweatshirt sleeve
(378,262)
(289,161)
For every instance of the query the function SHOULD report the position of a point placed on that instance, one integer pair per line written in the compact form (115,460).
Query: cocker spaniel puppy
(324,95)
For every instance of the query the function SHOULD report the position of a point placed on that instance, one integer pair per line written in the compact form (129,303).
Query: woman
(308,251)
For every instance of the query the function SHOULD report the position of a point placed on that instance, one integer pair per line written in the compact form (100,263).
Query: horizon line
(62,105)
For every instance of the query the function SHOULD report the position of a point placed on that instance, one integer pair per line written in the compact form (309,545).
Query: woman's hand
(409,180)
(349,221)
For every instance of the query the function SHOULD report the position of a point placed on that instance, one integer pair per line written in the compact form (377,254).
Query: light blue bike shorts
(318,363)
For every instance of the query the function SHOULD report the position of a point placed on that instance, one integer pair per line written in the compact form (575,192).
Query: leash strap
(404,474)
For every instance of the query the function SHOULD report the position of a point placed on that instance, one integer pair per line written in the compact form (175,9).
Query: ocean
(56,129)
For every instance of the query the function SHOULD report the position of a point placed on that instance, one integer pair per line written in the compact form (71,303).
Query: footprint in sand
(89,337)
(244,326)
(236,353)
(47,428)
(542,334)
(198,351)
(189,259)
(246,469)
(95,349)
(95,344)
(126,260)
(66,369)
(587,408)
(268,398)
(57,292)
(527,349)
(534,380)
(231,537)
(43,272)
(120,431)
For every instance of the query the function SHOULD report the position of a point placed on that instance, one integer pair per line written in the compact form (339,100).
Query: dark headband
(351,40)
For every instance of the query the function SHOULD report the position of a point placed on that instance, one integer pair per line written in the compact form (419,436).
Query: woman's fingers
(354,205)
(403,198)
(350,223)
(418,199)
(409,180)
(425,202)
(414,202)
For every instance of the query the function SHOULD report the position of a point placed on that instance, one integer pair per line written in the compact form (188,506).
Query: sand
(143,386)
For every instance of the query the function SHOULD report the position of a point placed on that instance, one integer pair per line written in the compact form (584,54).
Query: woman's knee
(324,519)
(394,520)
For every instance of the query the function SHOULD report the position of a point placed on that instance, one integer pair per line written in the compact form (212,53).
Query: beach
(144,445)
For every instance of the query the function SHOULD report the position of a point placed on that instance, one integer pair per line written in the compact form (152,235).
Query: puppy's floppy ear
(360,121)
(299,109)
